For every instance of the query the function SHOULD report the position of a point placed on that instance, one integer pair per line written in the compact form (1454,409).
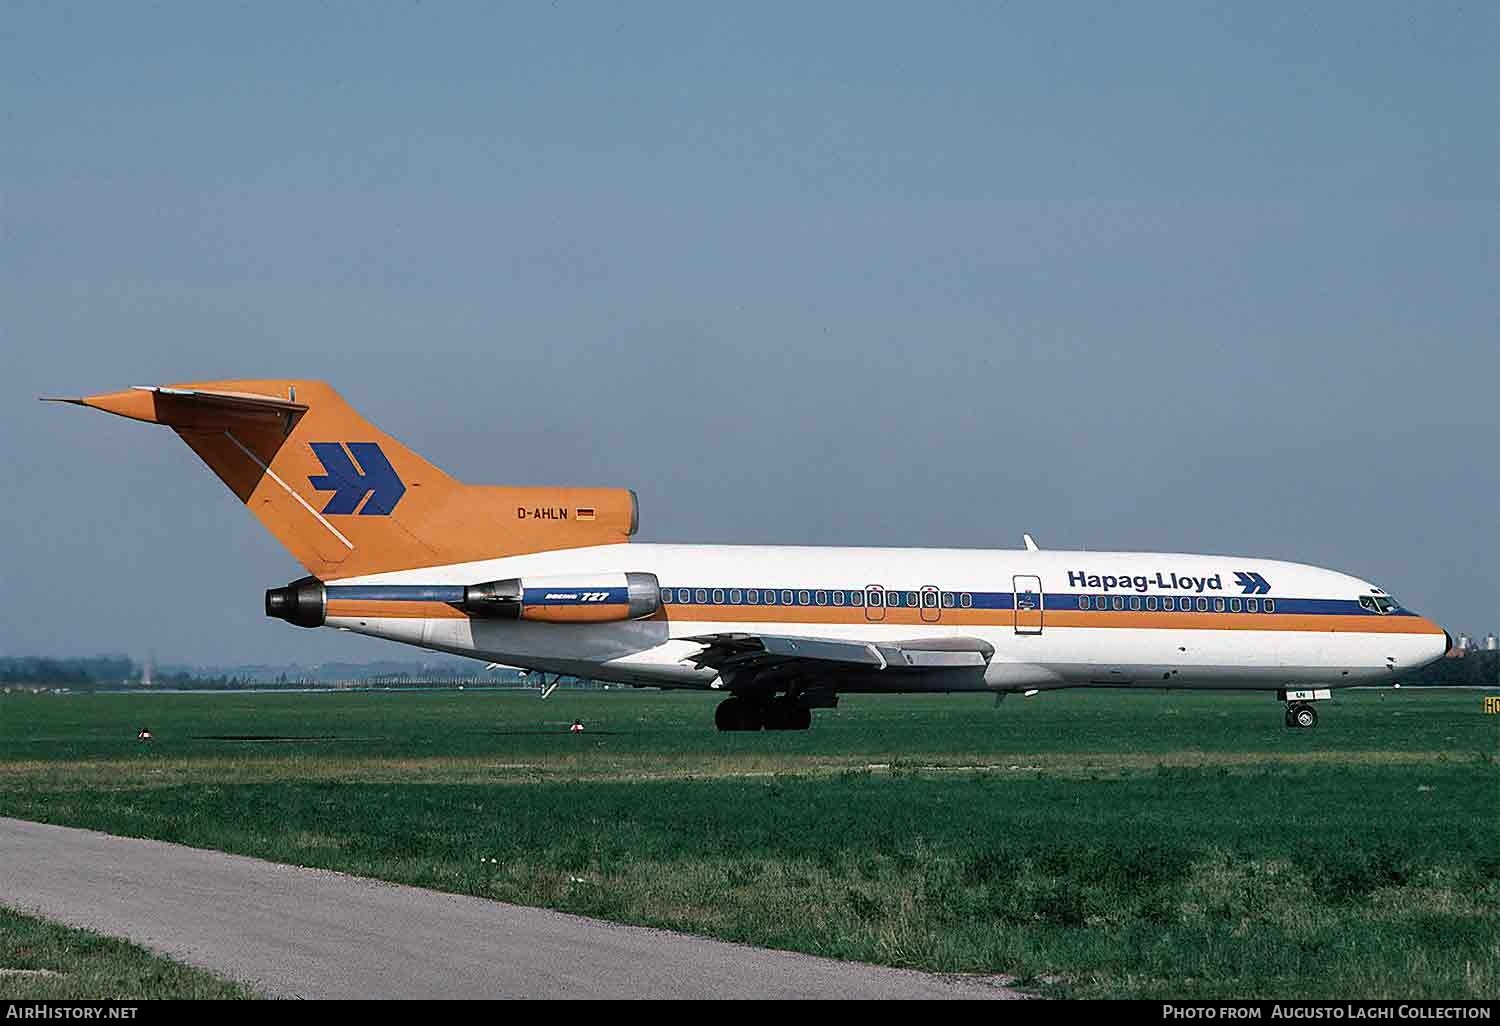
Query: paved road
(289,931)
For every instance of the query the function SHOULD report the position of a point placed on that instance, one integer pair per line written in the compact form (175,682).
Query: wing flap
(824,650)
(765,657)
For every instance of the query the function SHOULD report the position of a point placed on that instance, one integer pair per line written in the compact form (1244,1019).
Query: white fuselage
(1053,618)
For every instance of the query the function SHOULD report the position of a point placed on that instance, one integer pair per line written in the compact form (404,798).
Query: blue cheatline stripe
(575,596)
(1131,602)
(720,596)
(395,592)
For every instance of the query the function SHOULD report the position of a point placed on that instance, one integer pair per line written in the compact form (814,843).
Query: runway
(287,931)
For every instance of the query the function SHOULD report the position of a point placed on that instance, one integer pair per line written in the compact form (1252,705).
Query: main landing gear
(744,713)
(1300,714)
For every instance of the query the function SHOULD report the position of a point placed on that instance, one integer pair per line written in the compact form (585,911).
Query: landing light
(1029,694)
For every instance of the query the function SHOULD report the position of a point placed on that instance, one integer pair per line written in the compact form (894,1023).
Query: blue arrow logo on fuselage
(343,478)
(1252,583)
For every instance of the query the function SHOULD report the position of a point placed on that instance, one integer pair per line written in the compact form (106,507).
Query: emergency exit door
(1027,602)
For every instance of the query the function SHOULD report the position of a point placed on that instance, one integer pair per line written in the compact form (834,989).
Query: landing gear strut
(744,713)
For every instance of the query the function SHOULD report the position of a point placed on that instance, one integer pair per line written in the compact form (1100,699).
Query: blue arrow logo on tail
(1252,583)
(341,477)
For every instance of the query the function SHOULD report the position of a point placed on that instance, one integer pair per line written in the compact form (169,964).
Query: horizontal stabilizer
(188,407)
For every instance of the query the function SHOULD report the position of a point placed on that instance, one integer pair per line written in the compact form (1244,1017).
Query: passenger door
(931,600)
(1027,602)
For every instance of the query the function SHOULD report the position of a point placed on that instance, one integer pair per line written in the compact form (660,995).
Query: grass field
(1087,843)
(41,961)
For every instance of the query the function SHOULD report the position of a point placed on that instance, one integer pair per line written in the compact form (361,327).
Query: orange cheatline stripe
(355,608)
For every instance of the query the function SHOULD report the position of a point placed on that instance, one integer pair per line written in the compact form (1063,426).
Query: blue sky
(1172,276)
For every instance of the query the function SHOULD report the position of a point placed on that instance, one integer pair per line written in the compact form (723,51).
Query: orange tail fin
(347,499)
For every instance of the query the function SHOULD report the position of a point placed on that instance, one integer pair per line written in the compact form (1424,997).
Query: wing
(773,661)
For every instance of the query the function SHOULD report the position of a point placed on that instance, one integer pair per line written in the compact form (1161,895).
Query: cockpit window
(1378,603)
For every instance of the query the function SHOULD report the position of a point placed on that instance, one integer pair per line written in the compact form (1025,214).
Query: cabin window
(666,595)
(838,598)
(803,598)
(1150,602)
(966,600)
(736,596)
(1218,605)
(752,597)
(1234,605)
(911,599)
(1270,605)
(1083,601)
(1118,603)
(718,596)
(877,597)
(820,597)
(856,598)
(770,597)
(1135,602)
(1169,603)
(929,600)
(1202,605)
(947,600)
(786,597)
(1252,605)
(702,596)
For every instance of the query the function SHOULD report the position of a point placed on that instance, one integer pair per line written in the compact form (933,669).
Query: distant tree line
(1473,667)
(96,672)
(105,670)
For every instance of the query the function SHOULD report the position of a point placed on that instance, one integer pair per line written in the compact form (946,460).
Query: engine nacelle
(303,602)
(574,598)
(581,598)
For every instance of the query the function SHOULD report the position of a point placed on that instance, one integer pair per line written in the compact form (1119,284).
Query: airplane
(548,580)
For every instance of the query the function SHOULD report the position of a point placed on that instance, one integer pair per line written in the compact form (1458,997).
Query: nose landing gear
(1300,714)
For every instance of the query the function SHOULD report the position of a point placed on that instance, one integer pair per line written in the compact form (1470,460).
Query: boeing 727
(547,579)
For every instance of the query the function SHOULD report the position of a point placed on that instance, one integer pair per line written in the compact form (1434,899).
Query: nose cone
(1440,644)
